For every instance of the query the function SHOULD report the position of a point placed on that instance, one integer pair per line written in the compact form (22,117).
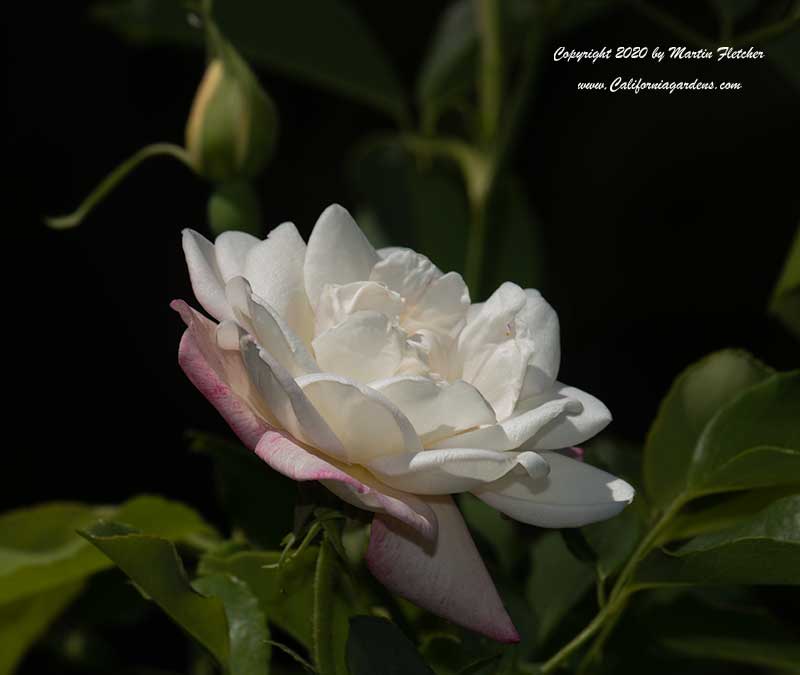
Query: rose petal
(205,275)
(216,373)
(363,347)
(287,401)
(368,424)
(542,323)
(572,495)
(513,432)
(446,577)
(274,269)
(437,410)
(285,456)
(438,472)
(337,303)
(405,272)
(269,328)
(338,253)
(510,342)
(572,428)
(231,249)
(442,307)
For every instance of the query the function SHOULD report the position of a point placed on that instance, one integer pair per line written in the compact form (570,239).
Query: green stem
(322,628)
(476,245)
(490,74)
(618,597)
(115,178)
(588,632)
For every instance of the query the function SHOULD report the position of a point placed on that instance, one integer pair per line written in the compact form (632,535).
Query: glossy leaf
(725,513)
(40,548)
(322,42)
(248,633)
(378,646)
(695,397)
(557,583)
(752,442)
(764,549)
(154,566)
(785,302)
(23,621)
(285,594)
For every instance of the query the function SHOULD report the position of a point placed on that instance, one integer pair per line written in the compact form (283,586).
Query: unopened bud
(232,125)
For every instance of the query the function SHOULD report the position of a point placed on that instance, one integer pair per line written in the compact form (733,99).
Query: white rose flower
(371,372)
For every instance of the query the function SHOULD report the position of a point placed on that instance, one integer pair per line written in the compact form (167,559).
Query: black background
(665,219)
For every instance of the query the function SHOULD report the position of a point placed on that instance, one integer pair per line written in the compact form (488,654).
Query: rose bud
(232,125)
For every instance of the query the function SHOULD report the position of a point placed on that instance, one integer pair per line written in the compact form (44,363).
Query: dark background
(664,220)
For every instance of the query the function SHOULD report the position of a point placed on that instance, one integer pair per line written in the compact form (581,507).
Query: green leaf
(23,621)
(248,634)
(39,547)
(378,646)
(285,594)
(695,397)
(154,566)
(418,203)
(515,243)
(322,42)
(752,442)
(725,513)
(448,71)
(785,301)
(497,531)
(764,549)
(248,489)
(557,583)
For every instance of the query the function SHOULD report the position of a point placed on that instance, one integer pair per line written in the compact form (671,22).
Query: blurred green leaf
(248,634)
(695,397)
(557,583)
(322,42)
(154,566)
(378,646)
(764,549)
(285,594)
(258,500)
(754,441)
(494,529)
(425,198)
(785,302)
(39,547)
(515,250)
(23,621)
(448,71)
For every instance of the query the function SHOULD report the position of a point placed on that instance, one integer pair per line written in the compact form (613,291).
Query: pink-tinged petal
(446,576)
(574,453)
(285,456)
(215,373)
